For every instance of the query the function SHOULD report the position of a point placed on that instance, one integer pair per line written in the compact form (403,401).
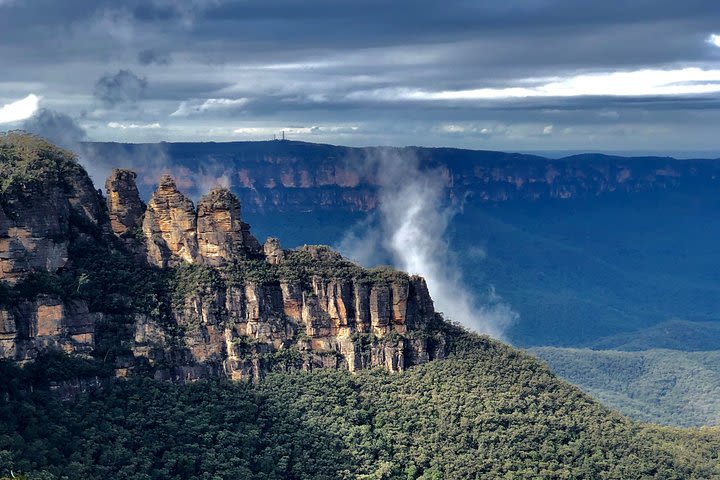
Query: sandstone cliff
(214,235)
(222,236)
(204,298)
(170,226)
(46,323)
(44,196)
(47,201)
(123,201)
(296,176)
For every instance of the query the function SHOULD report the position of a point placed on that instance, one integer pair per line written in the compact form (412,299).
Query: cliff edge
(182,291)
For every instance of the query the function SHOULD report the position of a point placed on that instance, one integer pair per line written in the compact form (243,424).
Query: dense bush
(669,387)
(492,413)
(27,159)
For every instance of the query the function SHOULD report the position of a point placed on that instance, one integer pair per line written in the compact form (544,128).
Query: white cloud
(714,39)
(548,130)
(20,109)
(453,128)
(315,129)
(468,128)
(637,83)
(254,131)
(133,126)
(211,104)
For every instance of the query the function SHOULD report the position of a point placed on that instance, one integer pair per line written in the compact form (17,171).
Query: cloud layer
(644,76)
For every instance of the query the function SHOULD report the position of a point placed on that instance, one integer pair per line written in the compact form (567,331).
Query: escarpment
(187,292)
(290,176)
(46,198)
(47,202)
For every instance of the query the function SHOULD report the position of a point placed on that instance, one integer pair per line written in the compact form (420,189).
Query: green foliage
(194,281)
(189,280)
(250,270)
(326,263)
(40,282)
(26,159)
(111,281)
(135,234)
(301,265)
(491,413)
(52,366)
(660,386)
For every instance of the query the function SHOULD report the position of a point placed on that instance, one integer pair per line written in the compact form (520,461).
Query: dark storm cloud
(56,127)
(148,57)
(376,65)
(122,87)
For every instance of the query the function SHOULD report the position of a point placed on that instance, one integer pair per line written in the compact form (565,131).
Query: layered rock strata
(37,214)
(170,226)
(266,307)
(125,208)
(222,235)
(176,232)
(336,323)
(46,323)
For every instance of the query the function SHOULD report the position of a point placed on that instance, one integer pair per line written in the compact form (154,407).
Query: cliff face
(46,323)
(46,201)
(170,225)
(296,176)
(243,330)
(296,184)
(123,201)
(214,235)
(217,303)
(222,236)
(44,196)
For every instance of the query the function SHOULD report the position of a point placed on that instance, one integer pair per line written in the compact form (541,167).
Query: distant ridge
(288,175)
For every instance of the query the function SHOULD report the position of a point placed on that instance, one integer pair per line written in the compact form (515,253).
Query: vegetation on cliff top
(26,158)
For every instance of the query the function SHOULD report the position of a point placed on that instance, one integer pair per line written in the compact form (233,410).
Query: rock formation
(170,226)
(213,235)
(46,323)
(223,306)
(40,206)
(274,254)
(221,234)
(123,200)
(336,323)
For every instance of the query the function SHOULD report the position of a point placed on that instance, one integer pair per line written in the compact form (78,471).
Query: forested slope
(490,412)
(661,386)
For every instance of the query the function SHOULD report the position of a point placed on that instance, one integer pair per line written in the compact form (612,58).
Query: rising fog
(410,229)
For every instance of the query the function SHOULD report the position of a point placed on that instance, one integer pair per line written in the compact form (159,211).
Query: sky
(530,75)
